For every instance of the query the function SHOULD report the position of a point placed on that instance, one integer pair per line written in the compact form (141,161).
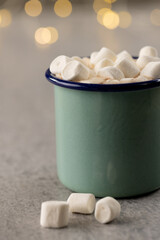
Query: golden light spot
(100,14)
(5,18)
(33,8)
(100,4)
(125,19)
(53,34)
(155,17)
(42,36)
(111,20)
(110,1)
(63,8)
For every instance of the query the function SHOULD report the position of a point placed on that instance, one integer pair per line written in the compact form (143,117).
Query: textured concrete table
(27,135)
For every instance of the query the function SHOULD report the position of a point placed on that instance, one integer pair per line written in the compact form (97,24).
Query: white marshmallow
(93,56)
(75,71)
(140,79)
(112,82)
(126,80)
(107,209)
(81,203)
(128,67)
(54,214)
(58,64)
(95,80)
(110,73)
(103,63)
(77,59)
(151,70)
(144,60)
(124,54)
(87,62)
(103,53)
(148,51)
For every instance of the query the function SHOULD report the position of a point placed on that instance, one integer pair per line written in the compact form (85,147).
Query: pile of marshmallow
(105,67)
(56,214)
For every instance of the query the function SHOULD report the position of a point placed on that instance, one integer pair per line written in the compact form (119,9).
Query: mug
(108,136)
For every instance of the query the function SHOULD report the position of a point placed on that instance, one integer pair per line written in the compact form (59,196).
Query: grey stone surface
(27,135)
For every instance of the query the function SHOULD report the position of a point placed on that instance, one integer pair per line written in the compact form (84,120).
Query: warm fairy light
(100,4)
(54,35)
(45,36)
(100,14)
(155,17)
(63,8)
(110,1)
(42,36)
(33,8)
(125,19)
(5,18)
(111,20)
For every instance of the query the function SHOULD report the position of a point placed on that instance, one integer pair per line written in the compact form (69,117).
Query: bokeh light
(63,8)
(125,19)
(5,18)
(46,36)
(33,8)
(110,1)
(111,19)
(100,4)
(42,36)
(155,17)
(53,34)
(100,14)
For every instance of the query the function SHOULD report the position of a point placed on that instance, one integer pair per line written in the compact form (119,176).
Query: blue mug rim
(102,87)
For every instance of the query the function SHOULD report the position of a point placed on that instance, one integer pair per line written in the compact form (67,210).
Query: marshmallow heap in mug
(105,67)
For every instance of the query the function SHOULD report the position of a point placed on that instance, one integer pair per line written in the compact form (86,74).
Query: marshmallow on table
(107,209)
(148,51)
(58,64)
(75,71)
(110,72)
(81,203)
(94,80)
(144,60)
(103,53)
(103,63)
(151,70)
(128,67)
(54,214)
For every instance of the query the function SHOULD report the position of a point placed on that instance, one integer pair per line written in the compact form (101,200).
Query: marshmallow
(54,214)
(58,75)
(128,67)
(124,54)
(81,203)
(151,70)
(107,209)
(93,56)
(103,53)
(87,62)
(58,64)
(126,80)
(75,71)
(112,82)
(139,79)
(95,80)
(77,59)
(144,60)
(103,63)
(110,73)
(148,51)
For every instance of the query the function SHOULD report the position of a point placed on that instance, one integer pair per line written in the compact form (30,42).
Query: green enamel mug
(108,136)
